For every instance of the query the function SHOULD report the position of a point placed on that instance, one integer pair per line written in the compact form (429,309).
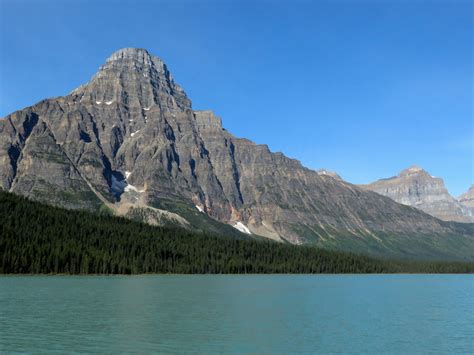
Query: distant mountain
(417,188)
(467,198)
(129,142)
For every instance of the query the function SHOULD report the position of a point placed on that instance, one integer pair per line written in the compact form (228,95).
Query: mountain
(129,141)
(416,187)
(467,198)
(330,173)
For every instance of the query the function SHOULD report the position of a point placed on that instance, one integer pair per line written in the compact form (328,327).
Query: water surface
(232,313)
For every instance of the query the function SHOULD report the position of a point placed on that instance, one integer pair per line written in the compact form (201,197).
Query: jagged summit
(129,139)
(139,58)
(414,169)
(415,187)
(139,54)
(467,198)
(136,79)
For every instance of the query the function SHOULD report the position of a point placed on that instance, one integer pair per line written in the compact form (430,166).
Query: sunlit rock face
(129,137)
(416,187)
(325,172)
(467,198)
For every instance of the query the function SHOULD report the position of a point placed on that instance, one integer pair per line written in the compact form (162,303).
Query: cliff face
(415,187)
(130,139)
(467,198)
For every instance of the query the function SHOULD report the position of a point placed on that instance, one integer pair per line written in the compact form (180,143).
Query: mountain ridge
(415,187)
(467,198)
(130,137)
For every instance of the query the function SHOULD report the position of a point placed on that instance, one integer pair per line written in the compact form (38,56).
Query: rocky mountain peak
(467,198)
(138,54)
(133,77)
(412,170)
(416,187)
(129,140)
(136,59)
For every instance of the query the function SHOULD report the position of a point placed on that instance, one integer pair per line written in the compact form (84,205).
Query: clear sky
(365,88)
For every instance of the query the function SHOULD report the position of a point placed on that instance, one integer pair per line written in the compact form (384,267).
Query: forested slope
(37,238)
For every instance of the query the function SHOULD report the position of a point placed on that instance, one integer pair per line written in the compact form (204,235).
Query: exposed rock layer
(132,128)
(416,187)
(467,198)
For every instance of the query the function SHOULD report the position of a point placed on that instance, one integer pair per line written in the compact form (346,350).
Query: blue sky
(365,88)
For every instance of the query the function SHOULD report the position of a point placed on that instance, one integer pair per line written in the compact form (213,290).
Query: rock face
(467,198)
(415,187)
(330,173)
(130,138)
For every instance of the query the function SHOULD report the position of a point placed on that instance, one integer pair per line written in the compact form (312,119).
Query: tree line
(40,239)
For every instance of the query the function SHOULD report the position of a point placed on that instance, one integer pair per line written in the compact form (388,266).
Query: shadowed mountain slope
(130,140)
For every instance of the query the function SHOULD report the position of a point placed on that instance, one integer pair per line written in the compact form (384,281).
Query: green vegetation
(200,222)
(105,210)
(77,194)
(53,156)
(37,238)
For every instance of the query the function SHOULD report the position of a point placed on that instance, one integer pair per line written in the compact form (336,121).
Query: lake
(237,313)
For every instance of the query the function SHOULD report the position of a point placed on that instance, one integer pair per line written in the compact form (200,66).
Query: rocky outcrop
(330,173)
(130,139)
(416,187)
(467,198)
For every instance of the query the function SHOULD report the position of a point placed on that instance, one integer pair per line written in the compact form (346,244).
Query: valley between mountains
(129,143)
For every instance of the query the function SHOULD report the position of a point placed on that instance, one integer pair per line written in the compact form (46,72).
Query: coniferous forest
(40,239)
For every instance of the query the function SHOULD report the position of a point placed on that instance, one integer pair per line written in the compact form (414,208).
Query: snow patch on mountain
(242,227)
(129,188)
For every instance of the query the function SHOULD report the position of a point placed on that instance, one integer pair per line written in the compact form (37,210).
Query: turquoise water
(259,313)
